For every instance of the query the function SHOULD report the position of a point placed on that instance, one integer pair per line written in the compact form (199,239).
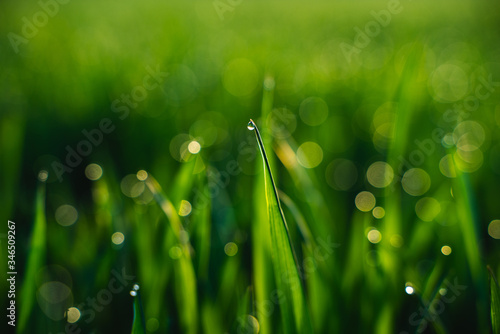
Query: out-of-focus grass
(185,279)
(203,253)
(36,259)
(495,302)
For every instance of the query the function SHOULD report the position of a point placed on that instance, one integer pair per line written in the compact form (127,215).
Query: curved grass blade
(263,272)
(185,278)
(299,218)
(316,282)
(295,315)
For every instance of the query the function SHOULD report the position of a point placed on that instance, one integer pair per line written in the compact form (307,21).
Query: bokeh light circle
(446,250)
(205,132)
(374,236)
(365,201)
(66,215)
(494,229)
(179,147)
(231,249)
(43,175)
(73,315)
(447,166)
(427,208)
(131,186)
(117,238)
(152,324)
(194,147)
(309,154)
(448,83)
(175,252)
(380,174)
(185,208)
(313,111)
(469,135)
(378,212)
(341,174)
(93,172)
(54,299)
(468,161)
(416,182)
(142,175)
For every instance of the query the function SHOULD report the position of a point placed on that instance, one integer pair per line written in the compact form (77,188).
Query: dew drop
(251,126)
(134,290)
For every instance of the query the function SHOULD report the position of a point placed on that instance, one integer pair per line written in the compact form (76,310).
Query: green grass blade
(202,226)
(263,279)
(299,219)
(139,324)
(295,315)
(469,226)
(35,260)
(495,302)
(185,278)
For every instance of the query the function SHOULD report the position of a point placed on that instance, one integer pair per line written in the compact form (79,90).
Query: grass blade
(263,276)
(185,278)
(36,256)
(139,324)
(295,315)
(495,302)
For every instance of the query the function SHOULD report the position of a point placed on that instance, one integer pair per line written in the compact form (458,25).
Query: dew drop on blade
(133,293)
(250,126)
(136,287)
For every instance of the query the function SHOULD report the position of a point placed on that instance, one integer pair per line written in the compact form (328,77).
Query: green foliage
(207,237)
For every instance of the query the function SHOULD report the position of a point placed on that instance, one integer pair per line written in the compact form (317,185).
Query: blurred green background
(126,159)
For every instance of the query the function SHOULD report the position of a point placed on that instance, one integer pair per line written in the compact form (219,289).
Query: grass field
(362,198)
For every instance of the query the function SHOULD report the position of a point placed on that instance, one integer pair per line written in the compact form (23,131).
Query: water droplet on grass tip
(134,290)
(409,290)
(251,126)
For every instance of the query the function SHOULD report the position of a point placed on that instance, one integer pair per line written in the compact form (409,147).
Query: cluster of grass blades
(301,305)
